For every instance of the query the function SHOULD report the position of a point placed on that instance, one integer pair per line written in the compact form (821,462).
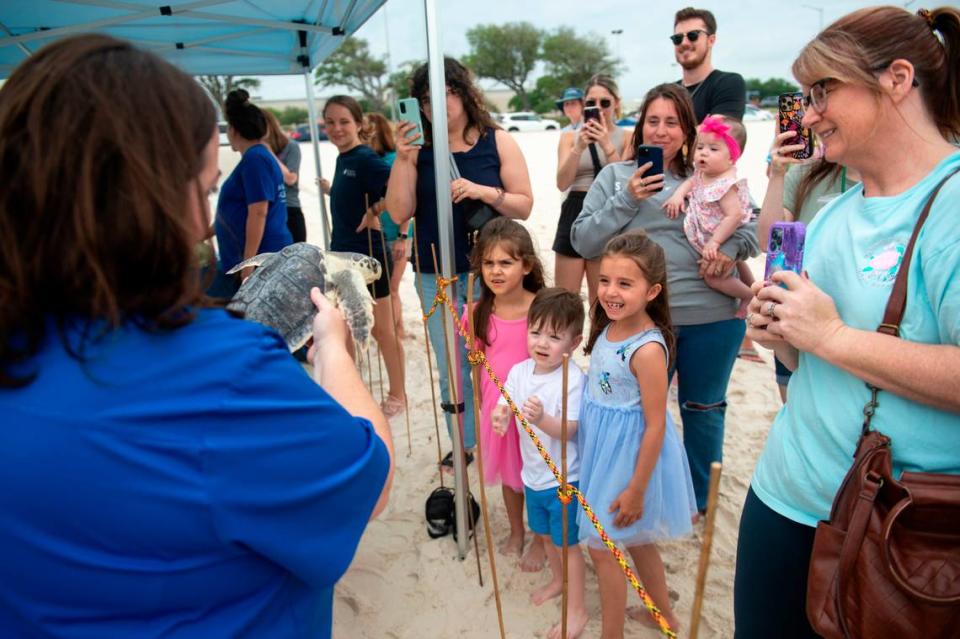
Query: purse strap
(897,304)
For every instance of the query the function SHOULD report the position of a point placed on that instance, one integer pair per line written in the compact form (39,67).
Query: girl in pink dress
(510,275)
(718,202)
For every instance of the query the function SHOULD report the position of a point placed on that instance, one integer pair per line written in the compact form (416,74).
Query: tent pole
(441,168)
(314,137)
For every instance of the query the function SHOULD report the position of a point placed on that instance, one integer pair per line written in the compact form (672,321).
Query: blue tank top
(480,165)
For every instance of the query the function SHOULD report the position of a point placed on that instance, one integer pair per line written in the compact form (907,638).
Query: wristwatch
(403,236)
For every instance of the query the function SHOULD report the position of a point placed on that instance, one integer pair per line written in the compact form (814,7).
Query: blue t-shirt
(854,248)
(257,178)
(192,483)
(480,165)
(360,177)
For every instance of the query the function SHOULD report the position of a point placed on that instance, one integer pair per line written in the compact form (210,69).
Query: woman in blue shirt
(884,99)
(252,209)
(168,470)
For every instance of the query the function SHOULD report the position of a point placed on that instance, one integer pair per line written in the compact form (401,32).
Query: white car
(526,121)
(753,114)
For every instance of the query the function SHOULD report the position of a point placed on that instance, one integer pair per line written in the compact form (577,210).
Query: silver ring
(750,320)
(771,308)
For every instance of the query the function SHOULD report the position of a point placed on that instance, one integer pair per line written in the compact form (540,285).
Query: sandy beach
(404,585)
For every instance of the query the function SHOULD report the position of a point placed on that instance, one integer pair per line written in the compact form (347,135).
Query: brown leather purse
(887,563)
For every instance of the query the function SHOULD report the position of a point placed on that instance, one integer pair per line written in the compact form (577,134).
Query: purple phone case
(785,248)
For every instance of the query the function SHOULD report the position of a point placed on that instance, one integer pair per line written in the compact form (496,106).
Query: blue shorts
(545,515)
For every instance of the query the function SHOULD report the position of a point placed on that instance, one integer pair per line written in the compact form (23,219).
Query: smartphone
(408,110)
(790,117)
(785,248)
(648,153)
(591,113)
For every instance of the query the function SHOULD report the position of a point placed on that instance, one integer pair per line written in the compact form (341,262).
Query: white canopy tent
(240,37)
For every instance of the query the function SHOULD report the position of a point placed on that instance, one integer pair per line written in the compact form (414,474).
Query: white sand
(404,585)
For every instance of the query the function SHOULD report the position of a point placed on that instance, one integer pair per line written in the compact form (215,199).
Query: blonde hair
(275,138)
(857,46)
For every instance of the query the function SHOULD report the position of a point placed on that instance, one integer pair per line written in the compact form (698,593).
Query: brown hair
(608,83)
(97,231)
(380,134)
(460,80)
(857,46)
(276,139)
(513,238)
(683,162)
(244,116)
(557,308)
(689,13)
(650,258)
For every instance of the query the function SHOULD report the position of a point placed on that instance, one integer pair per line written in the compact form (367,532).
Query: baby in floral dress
(718,203)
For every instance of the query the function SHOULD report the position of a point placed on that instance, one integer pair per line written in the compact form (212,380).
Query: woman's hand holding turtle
(405,136)
(330,332)
(641,187)
(800,314)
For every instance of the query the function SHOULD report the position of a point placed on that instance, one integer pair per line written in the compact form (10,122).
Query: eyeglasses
(604,103)
(817,98)
(425,100)
(692,36)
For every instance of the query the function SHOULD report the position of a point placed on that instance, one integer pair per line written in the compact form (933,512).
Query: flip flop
(750,354)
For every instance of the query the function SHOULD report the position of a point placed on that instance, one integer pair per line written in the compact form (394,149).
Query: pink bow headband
(714,124)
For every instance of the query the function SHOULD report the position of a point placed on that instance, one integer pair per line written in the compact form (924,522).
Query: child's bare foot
(576,622)
(512,545)
(534,558)
(546,593)
(641,614)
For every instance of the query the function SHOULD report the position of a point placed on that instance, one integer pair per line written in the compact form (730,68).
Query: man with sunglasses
(713,92)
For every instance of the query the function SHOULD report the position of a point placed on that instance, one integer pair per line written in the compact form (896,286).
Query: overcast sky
(756,38)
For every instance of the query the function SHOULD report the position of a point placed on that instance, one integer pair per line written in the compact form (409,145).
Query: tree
(506,53)
(571,60)
(290,115)
(771,86)
(220,86)
(352,66)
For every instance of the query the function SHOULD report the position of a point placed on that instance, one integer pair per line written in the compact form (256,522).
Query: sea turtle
(278,293)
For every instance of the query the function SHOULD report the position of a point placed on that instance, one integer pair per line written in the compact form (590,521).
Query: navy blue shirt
(360,177)
(192,483)
(480,165)
(257,178)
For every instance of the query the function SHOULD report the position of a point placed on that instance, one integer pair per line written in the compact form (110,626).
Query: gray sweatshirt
(609,209)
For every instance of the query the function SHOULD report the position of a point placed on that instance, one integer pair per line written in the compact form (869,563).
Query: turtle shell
(277,294)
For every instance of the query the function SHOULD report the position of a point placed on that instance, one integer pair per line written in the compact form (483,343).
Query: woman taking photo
(356,201)
(168,469)
(492,172)
(252,210)
(581,155)
(708,334)
(287,152)
(875,80)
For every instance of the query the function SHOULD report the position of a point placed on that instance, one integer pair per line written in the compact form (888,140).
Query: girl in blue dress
(634,471)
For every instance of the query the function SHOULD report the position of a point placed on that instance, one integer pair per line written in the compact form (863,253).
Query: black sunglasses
(692,36)
(604,103)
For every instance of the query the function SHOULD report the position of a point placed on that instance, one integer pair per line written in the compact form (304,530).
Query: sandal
(447,461)
(391,406)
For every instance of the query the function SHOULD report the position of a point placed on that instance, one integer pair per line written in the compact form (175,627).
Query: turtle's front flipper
(354,300)
(256,260)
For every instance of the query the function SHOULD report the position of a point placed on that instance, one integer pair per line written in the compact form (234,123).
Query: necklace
(699,86)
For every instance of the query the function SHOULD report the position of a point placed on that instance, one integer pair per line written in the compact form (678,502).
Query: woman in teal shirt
(876,81)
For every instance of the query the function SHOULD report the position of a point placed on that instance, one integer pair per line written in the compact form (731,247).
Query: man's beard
(692,63)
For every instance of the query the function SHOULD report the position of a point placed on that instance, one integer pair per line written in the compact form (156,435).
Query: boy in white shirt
(554,328)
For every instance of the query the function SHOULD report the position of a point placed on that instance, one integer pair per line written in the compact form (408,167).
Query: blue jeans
(705,357)
(427,286)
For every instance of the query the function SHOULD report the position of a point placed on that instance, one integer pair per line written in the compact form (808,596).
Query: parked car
(526,121)
(753,114)
(770,101)
(302,133)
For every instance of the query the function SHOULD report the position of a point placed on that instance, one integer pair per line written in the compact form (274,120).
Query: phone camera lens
(403,107)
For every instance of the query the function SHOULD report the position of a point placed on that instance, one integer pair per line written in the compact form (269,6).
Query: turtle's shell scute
(277,294)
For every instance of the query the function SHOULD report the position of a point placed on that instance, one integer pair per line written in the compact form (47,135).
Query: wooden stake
(564,567)
(396,339)
(426,342)
(715,470)
(366,214)
(475,376)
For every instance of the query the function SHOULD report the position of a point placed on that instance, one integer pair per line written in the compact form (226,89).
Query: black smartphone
(591,113)
(649,153)
(790,118)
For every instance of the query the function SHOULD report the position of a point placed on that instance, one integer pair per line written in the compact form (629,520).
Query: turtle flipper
(354,300)
(256,260)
